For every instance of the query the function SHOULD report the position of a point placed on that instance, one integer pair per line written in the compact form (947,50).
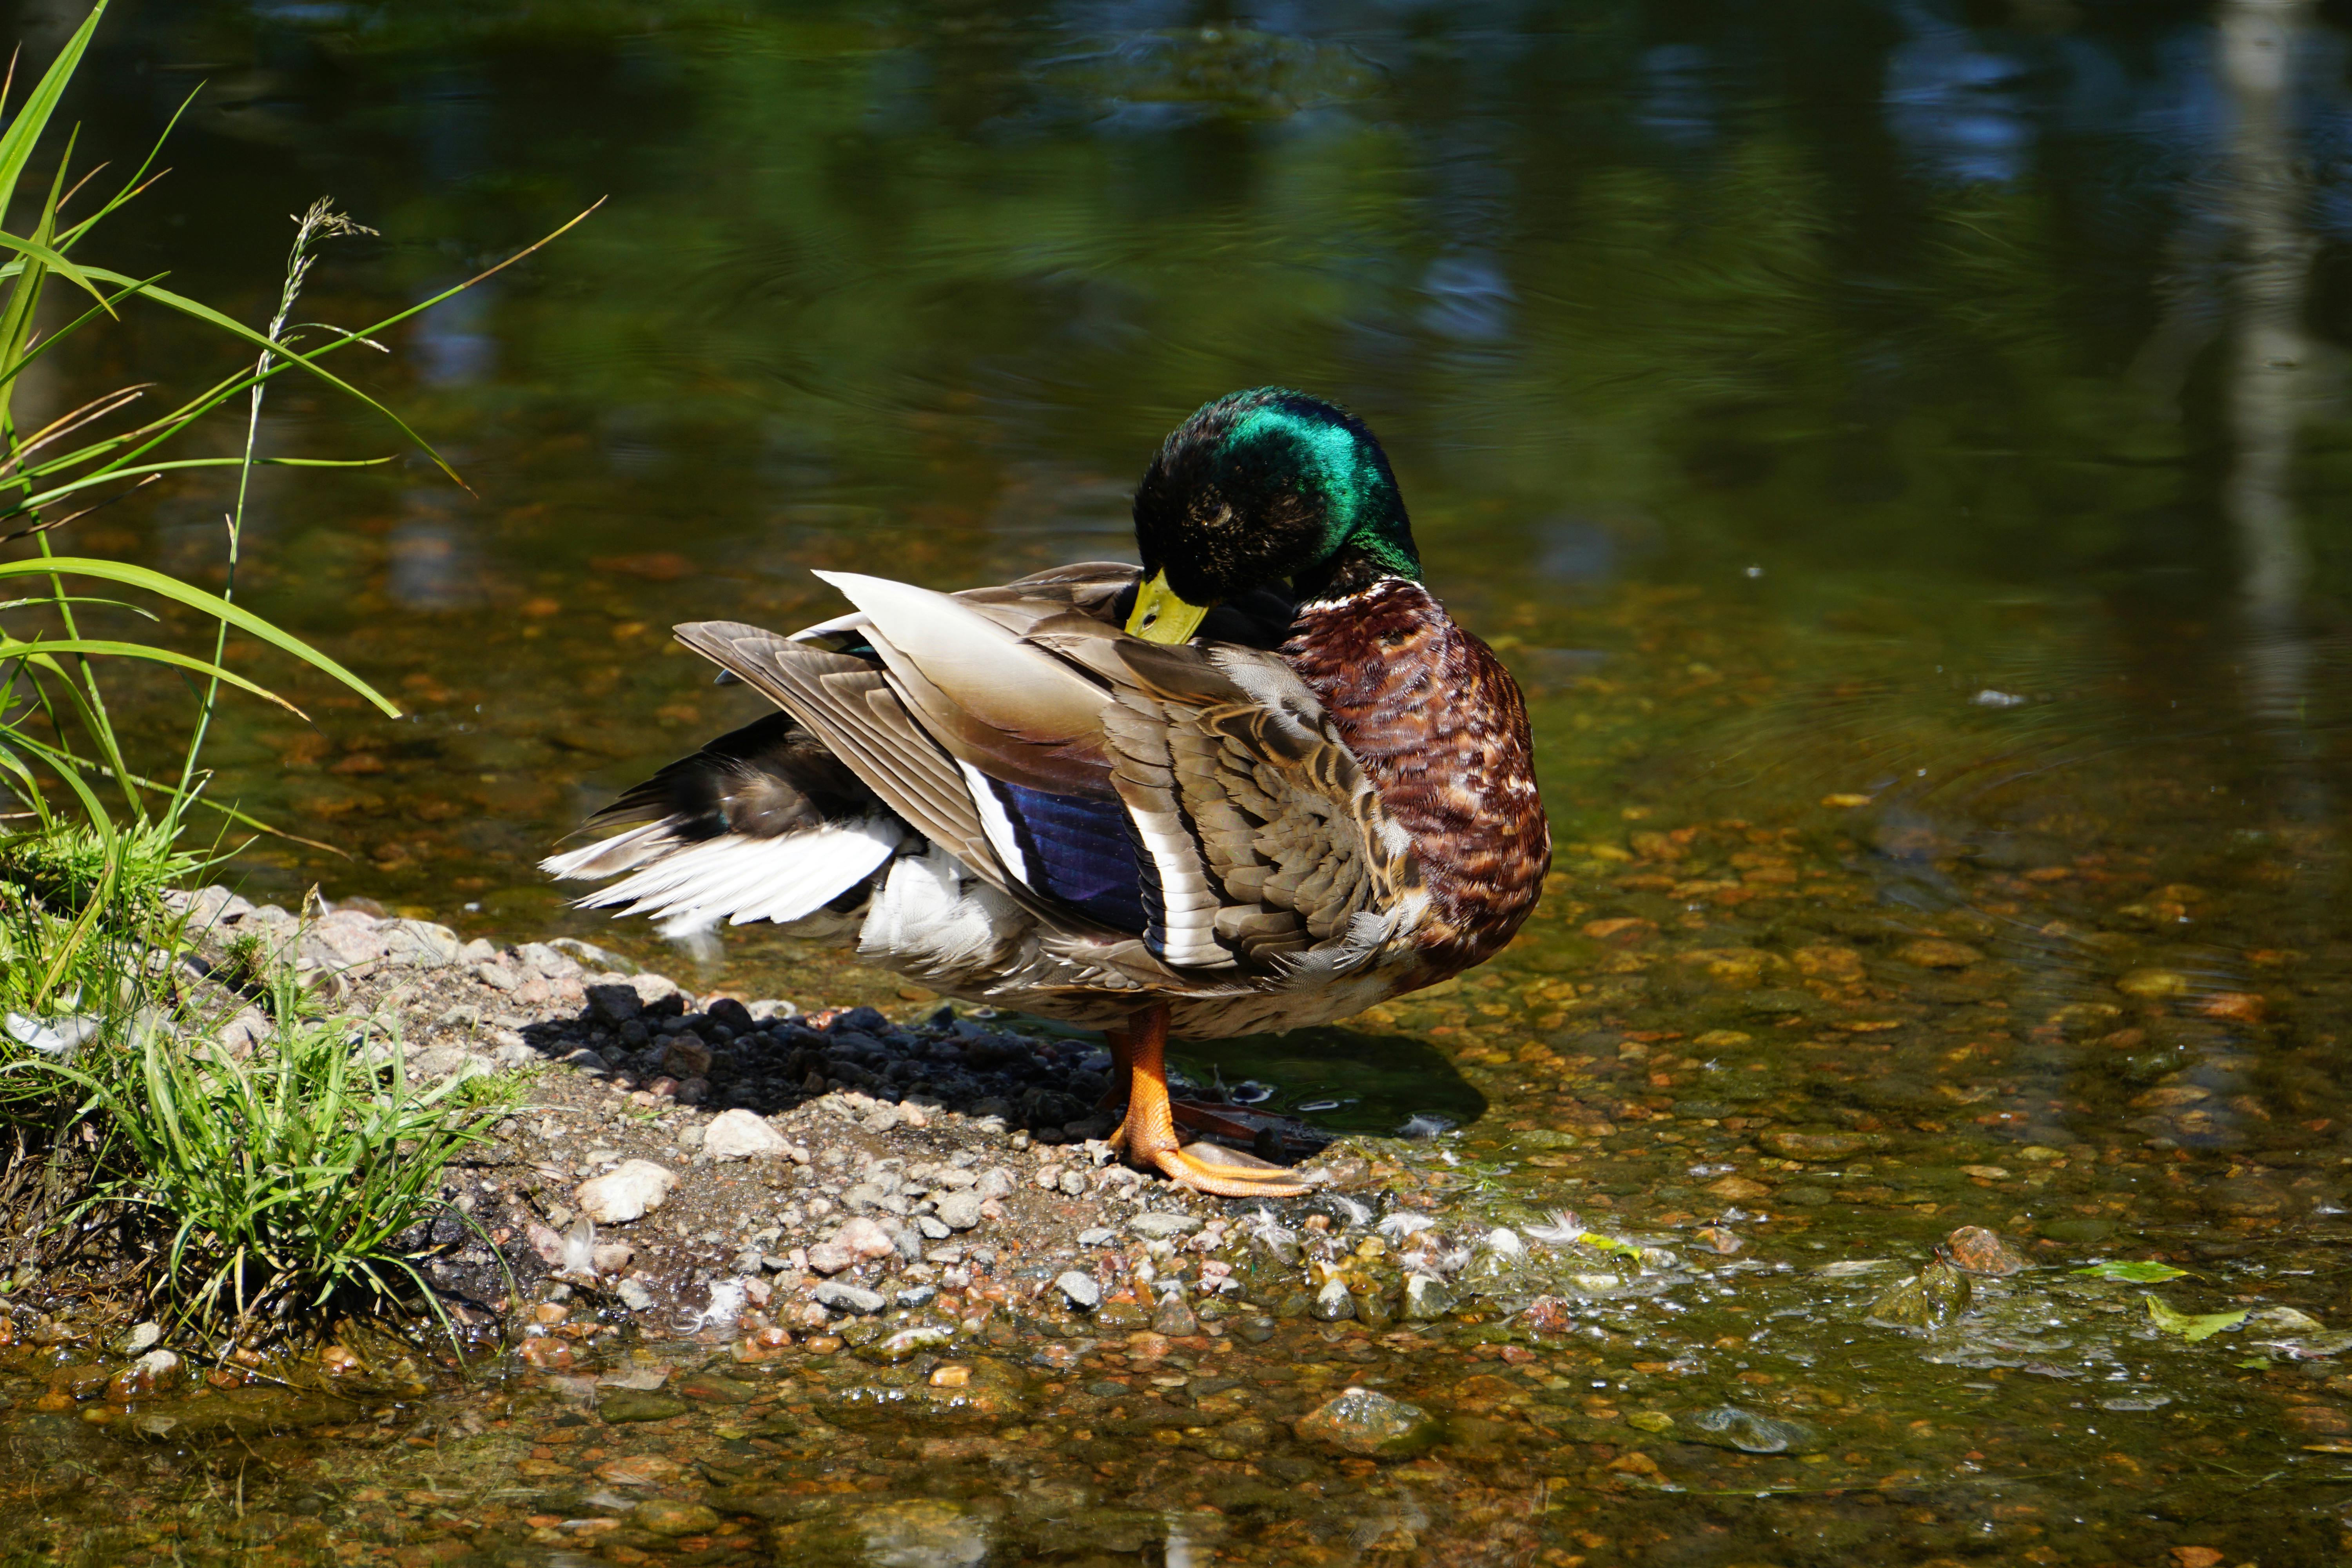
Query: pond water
(1901,447)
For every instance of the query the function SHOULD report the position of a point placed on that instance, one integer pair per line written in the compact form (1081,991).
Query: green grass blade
(170,588)
(230,324)
(56,263)
(25,130)
(11,648)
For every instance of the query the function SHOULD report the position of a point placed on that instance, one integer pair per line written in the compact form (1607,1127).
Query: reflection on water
(1898,447)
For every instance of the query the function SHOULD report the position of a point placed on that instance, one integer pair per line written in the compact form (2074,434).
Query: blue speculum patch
(1080,850)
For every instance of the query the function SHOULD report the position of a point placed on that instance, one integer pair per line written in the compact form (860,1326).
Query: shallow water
(1902,459)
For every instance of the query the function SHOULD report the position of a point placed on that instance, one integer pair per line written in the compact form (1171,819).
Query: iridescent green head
(1259,487)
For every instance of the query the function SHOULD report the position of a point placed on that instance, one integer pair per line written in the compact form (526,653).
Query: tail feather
(739,878)
(761,824)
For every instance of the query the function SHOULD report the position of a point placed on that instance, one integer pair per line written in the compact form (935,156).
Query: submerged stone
(1817,1146)
(1359,1421)
(1730,1426)
(1933,1297)
(620,1406)
(663,1517)
(936,1534)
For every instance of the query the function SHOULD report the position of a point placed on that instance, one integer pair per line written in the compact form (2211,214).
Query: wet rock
(1548,1315)
(639,1470)
(1977,1250)
(1718,1240)
(1080,1291)
(1730,1426)
(2234,1007)
(1427,1299)
(157,1372)
(1818,1147)
(842,1297)
(741,1134)
(1174,1319)
(1358,1421)
(1738,1190)
(660,1516)
(2078,1020)
(1332,1302)
(629,1191)
(932,1533)
(992,1392)
(2153,984)
(710,1388)
(1934,953)
(959,1211)
(1933,1297)
(141,1339)
(1157,1225)
(620,1406)
(634,1295)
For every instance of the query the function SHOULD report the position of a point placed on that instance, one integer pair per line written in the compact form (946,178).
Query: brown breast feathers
(1441,731)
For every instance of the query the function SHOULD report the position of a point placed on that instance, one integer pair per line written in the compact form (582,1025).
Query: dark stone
(623,1404)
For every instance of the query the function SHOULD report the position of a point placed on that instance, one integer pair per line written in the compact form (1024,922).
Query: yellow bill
(1161,616)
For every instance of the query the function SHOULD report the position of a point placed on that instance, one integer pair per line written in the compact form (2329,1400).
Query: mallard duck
(1261,781)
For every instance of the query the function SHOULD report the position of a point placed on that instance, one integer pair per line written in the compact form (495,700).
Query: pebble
(1427,1298)
(1936,1294)
(1174,1319)
(1081,1290)
(961,1211)
(614,1004)
(1980,1252)
(1817,1146)
(619,1407)
(1157,1225)
(634,1295)
(1359,1421)
(661,1516)
(2153,984)
(846,1298)
(1730,1426)
(1934,953)
(419,943)
(628,1192)
(741,1134)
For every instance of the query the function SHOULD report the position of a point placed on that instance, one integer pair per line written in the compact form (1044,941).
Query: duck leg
(1200,1117)
(1122,1059)
(1147,1135)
